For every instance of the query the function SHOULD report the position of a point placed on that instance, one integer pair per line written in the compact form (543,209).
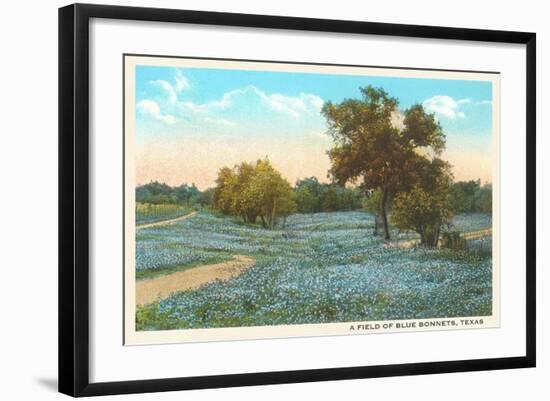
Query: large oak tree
(371,149)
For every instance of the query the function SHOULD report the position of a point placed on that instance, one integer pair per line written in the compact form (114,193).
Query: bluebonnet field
(325,267)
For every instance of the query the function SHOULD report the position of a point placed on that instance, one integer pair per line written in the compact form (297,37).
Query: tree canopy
(252,191)
(161,193)
(370,148)
(471,196)
(313,197)
(426,207)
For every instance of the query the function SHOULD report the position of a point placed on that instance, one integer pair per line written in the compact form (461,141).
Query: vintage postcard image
(271,200)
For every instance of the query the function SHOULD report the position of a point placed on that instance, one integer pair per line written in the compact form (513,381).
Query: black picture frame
(74,194)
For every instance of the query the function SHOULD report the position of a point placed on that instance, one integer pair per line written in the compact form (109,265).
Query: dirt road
(151,290)
(414,242)
(477,234)
(164,222)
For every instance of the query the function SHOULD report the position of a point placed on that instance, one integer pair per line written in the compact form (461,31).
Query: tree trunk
(430,237)
(385,215)
(273,211)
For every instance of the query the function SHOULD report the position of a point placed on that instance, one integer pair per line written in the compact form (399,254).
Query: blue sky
(227,116)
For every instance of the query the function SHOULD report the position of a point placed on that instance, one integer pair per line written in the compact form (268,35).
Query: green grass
(147,213)
(149,318)
(161,271)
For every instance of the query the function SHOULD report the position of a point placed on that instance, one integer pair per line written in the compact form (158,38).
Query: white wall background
(28,200)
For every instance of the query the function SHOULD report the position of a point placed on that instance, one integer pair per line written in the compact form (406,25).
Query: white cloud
(464,101)
(484,102)
(171,90)
(190,106)
(248,105)
(182,83)
(443,106)
(150,108)
(167,88)
(294,106)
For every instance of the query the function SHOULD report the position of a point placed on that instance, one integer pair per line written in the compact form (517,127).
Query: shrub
(453,240)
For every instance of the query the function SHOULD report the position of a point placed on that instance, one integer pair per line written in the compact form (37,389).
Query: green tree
(313,197)
(184,194)
(426,207)
(483,199)
(155,193)
(462,195)
(308,195)
(372,201)
(244,173)
(206,197)
(369,147)
(230,185)
(331,200)
(352,199)
(224,192)
(254,190)
(268,193)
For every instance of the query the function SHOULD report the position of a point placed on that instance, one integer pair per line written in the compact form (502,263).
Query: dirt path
(151,290)
(477,234)
(411,243)
(164,222)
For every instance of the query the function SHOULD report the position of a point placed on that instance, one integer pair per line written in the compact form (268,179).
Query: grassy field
(325,267)
(151,213)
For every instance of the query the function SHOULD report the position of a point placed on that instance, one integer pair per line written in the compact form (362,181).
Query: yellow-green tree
(254,190)
(269,193)
(230,184)
(223,192)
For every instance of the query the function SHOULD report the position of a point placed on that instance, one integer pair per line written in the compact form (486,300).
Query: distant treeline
(158,193)
(256,191)
(313,197)
(471,196)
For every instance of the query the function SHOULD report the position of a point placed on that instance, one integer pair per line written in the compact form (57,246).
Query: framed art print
(240,223)
(298,199)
